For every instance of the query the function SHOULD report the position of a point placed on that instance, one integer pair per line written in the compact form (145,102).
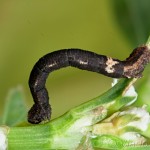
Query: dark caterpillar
(132,67)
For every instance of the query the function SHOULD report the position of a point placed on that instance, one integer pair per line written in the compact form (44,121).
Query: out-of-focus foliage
(133,17)
(144,91)
(30,29)
(15,109)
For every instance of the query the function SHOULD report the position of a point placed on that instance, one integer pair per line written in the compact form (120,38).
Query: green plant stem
(67,131)
(31,137)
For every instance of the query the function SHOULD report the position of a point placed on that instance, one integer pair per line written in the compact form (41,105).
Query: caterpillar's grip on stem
(132,67)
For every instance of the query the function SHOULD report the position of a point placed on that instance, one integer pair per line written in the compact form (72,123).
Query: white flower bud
(143,118)
(134,138)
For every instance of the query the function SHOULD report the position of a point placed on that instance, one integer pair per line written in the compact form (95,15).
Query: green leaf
(133,18)
(144,93)
(108,142)
(15,109)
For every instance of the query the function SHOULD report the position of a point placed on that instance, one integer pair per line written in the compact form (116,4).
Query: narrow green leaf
(144,93)
(148,42)
(15,109)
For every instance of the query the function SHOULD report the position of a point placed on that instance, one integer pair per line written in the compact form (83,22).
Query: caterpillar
(132,67)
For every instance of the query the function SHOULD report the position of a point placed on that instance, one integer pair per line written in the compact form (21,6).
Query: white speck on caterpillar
(53,64)
(83,62)
(110,63)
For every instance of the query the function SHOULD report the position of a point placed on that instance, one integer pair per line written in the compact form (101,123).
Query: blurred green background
(30,29)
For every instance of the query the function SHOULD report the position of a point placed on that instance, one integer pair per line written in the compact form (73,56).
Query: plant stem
(67,131)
